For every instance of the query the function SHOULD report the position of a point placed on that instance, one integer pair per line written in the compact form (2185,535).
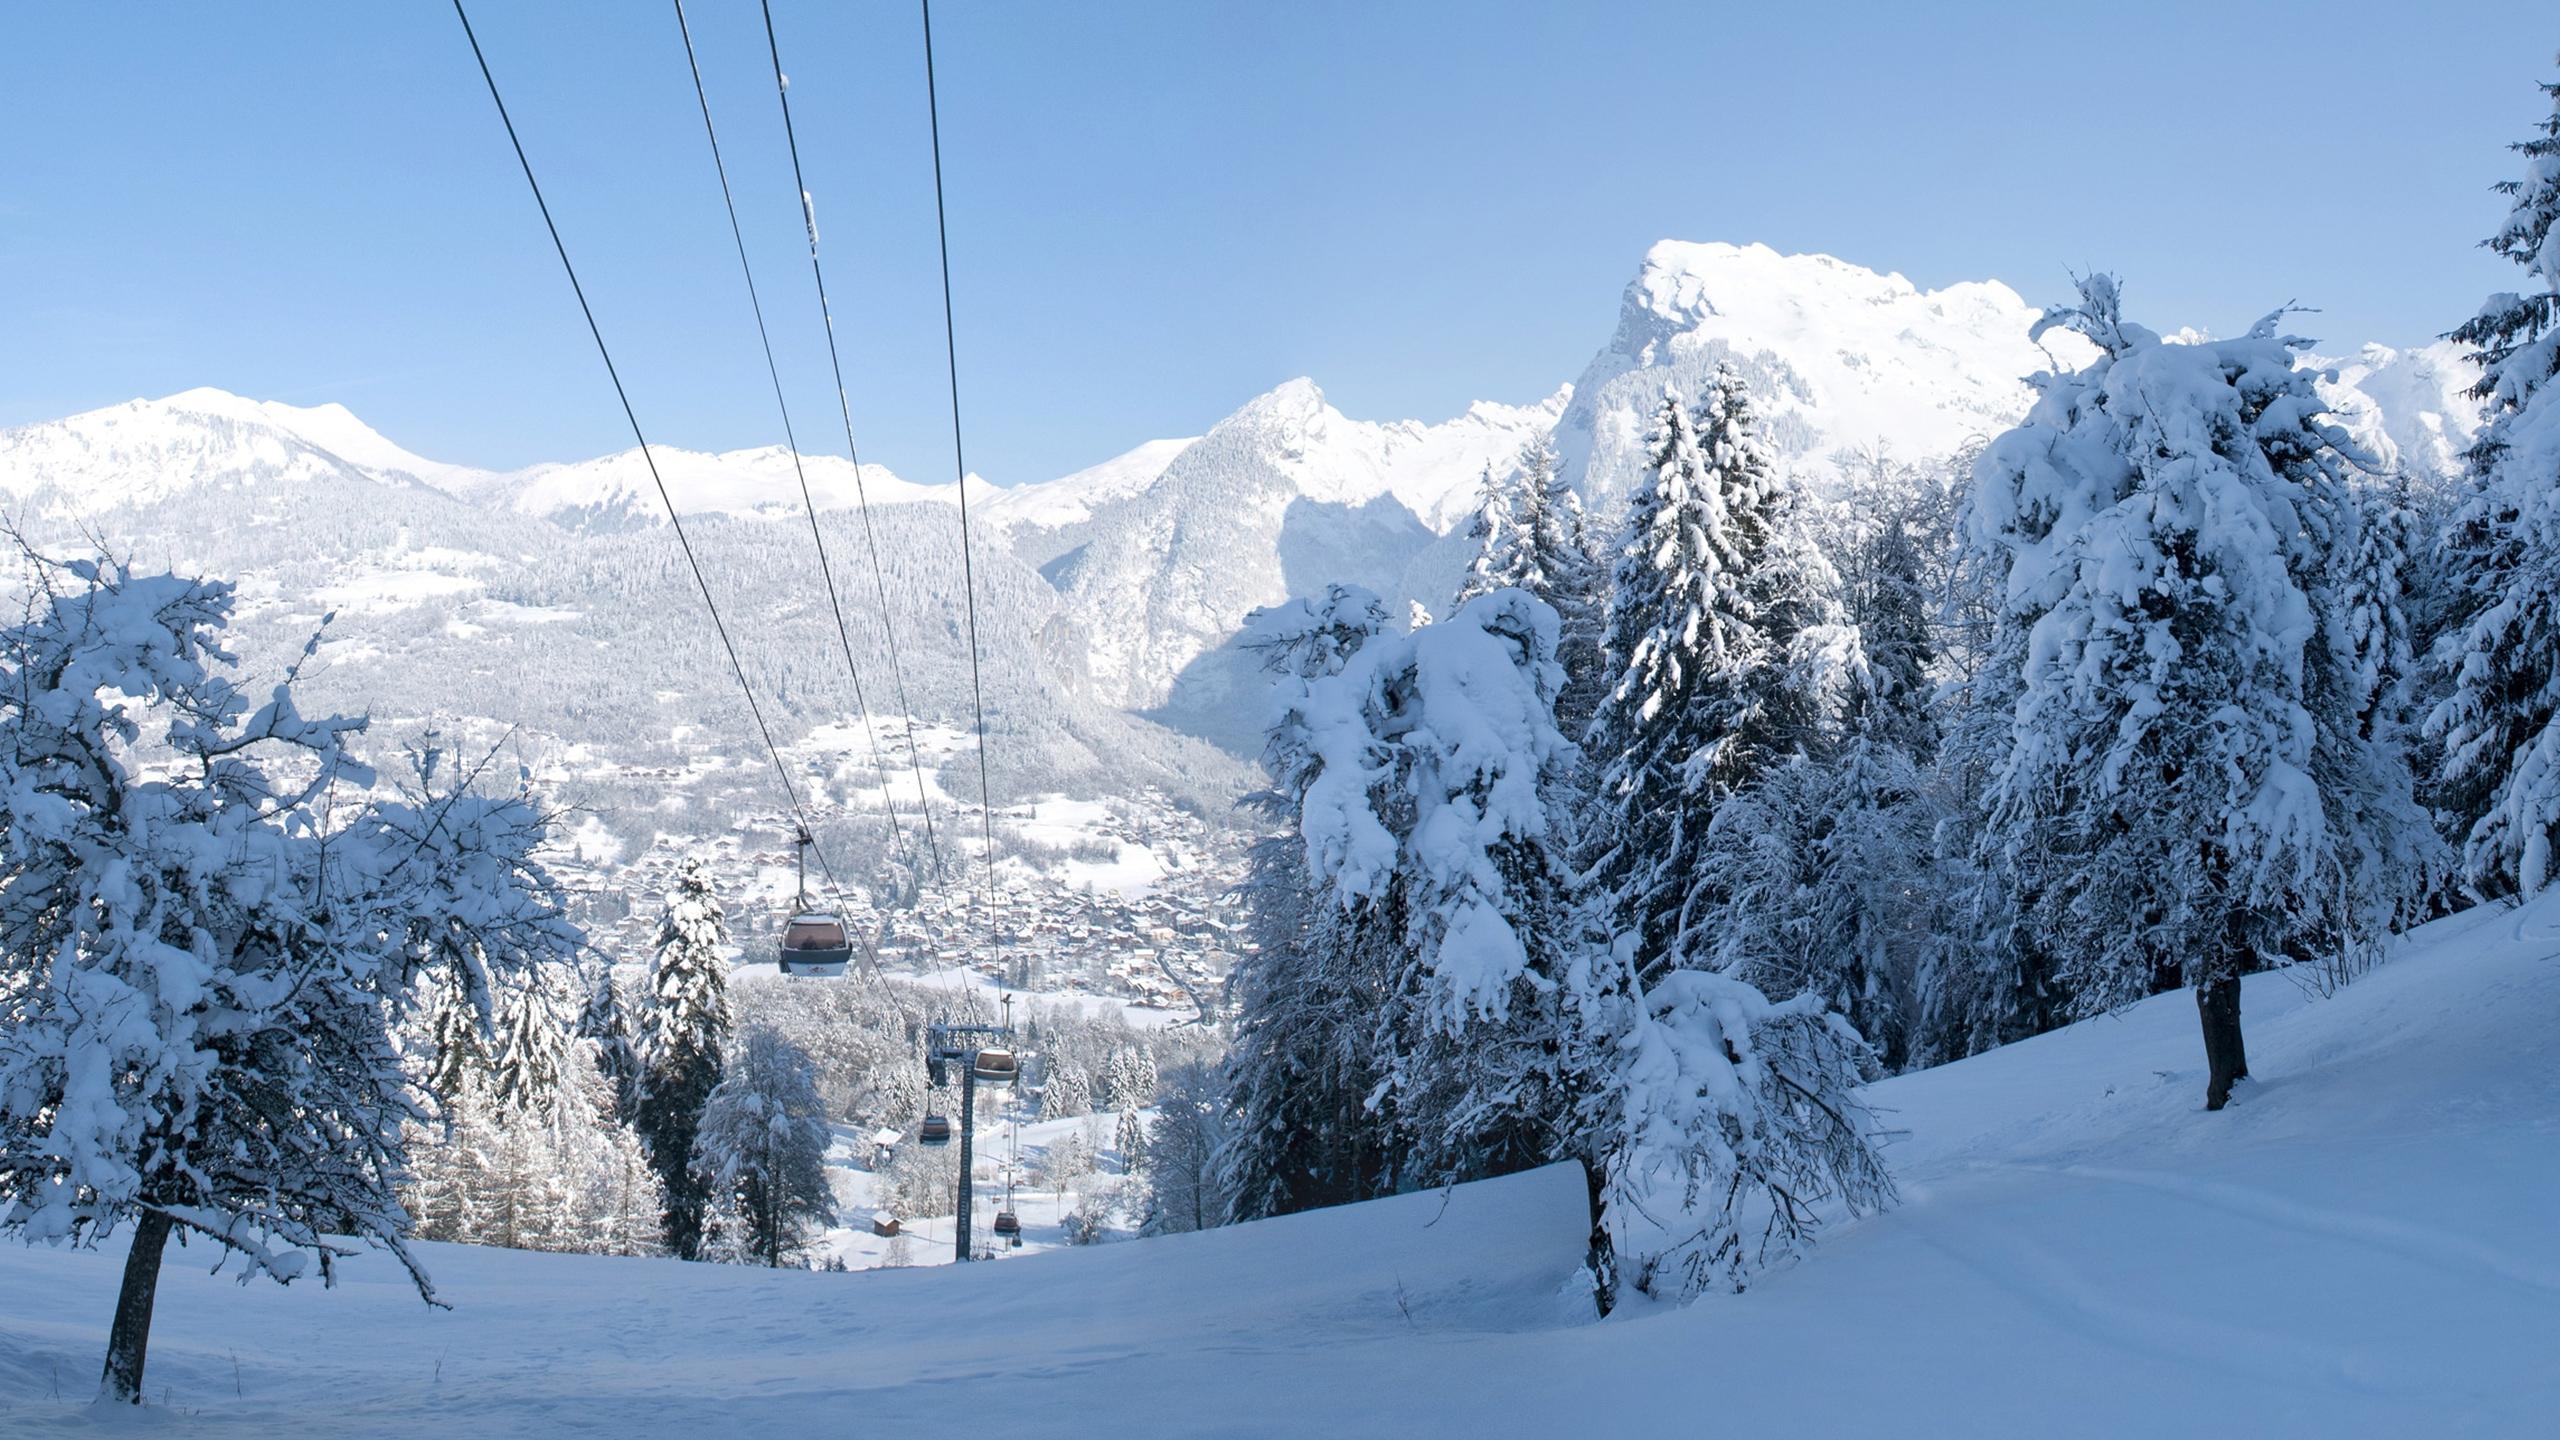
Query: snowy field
(2367,1243)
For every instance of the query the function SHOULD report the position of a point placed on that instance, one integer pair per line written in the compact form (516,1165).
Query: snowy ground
(2367,1243)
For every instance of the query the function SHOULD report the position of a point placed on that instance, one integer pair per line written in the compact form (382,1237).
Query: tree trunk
(130,1337)
(2218,1005)
(1602,1256)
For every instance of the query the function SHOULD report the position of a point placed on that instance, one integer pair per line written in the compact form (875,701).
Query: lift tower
(981,1052)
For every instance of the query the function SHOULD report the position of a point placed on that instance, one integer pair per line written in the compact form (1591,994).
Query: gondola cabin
(997,1067)
(1008,1226)
(936,1130)
(815,943)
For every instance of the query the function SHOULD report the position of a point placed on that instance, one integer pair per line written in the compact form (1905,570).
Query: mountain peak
(1297,401)
(1840,357)
(331,427)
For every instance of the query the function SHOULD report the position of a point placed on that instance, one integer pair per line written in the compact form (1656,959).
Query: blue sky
(1159,210)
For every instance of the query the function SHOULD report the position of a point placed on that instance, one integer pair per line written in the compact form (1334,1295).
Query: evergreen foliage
(762,1149)
(1728,641)
(2497,726)
(2185,792)
(1309,990)
(604,1023)
(683,1031)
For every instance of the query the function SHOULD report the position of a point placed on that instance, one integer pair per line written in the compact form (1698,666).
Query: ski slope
(2366,1243)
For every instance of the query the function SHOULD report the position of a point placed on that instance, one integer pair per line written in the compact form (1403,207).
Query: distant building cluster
(1167,944)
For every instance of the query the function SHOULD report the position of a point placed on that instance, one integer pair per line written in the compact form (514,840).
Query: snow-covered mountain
(146,451)
(1285,494)
(2411,409)
(614,492)
(1122,584)
(1840,358)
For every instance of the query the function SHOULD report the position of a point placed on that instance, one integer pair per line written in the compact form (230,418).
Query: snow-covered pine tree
(2374,597)
(1300,1072)
(1825,868)
(2185,795)
(1531,534)
(455,1162)
(203,964)
(1068,1094)
(1498,533)
(1825,886)
(1731,653)
(1889,603)
(1182,1154)
(532,1045)
(1130,1139)
(762,1148)
(1729,1126)
(1433,809)
(629,1202)
(604,1022)
(1574,582)
(455,1029)
(1673,624)
(683,1029)
(2498,727)
(1129,1082)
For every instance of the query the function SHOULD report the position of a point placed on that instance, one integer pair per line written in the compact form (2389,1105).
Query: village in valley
(1128,900)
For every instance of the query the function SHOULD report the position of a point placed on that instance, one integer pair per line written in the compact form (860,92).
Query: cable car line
(826,567)
(782,771)
(960,464)
(803,834)
(844,407)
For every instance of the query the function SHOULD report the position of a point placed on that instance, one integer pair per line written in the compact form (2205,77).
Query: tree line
(1684,821)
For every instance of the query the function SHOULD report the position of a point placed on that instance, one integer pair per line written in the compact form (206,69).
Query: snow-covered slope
(2363,1245)
(1074,499)
(1839,357)
(2411,408)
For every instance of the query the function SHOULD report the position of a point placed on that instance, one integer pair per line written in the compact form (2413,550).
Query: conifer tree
(1727,639)
(454,1029)
(1531,532)
(683,1031)
(1300,1072)
(1067,1094)
(1130,1139)
(762,1148)
(2498,725)
(530,1055)
(1433,817)
(1561,570)
(1129,1081)
(2186,793)
(1824,886)
(1498,534)
(1889,604)
(604,1022)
